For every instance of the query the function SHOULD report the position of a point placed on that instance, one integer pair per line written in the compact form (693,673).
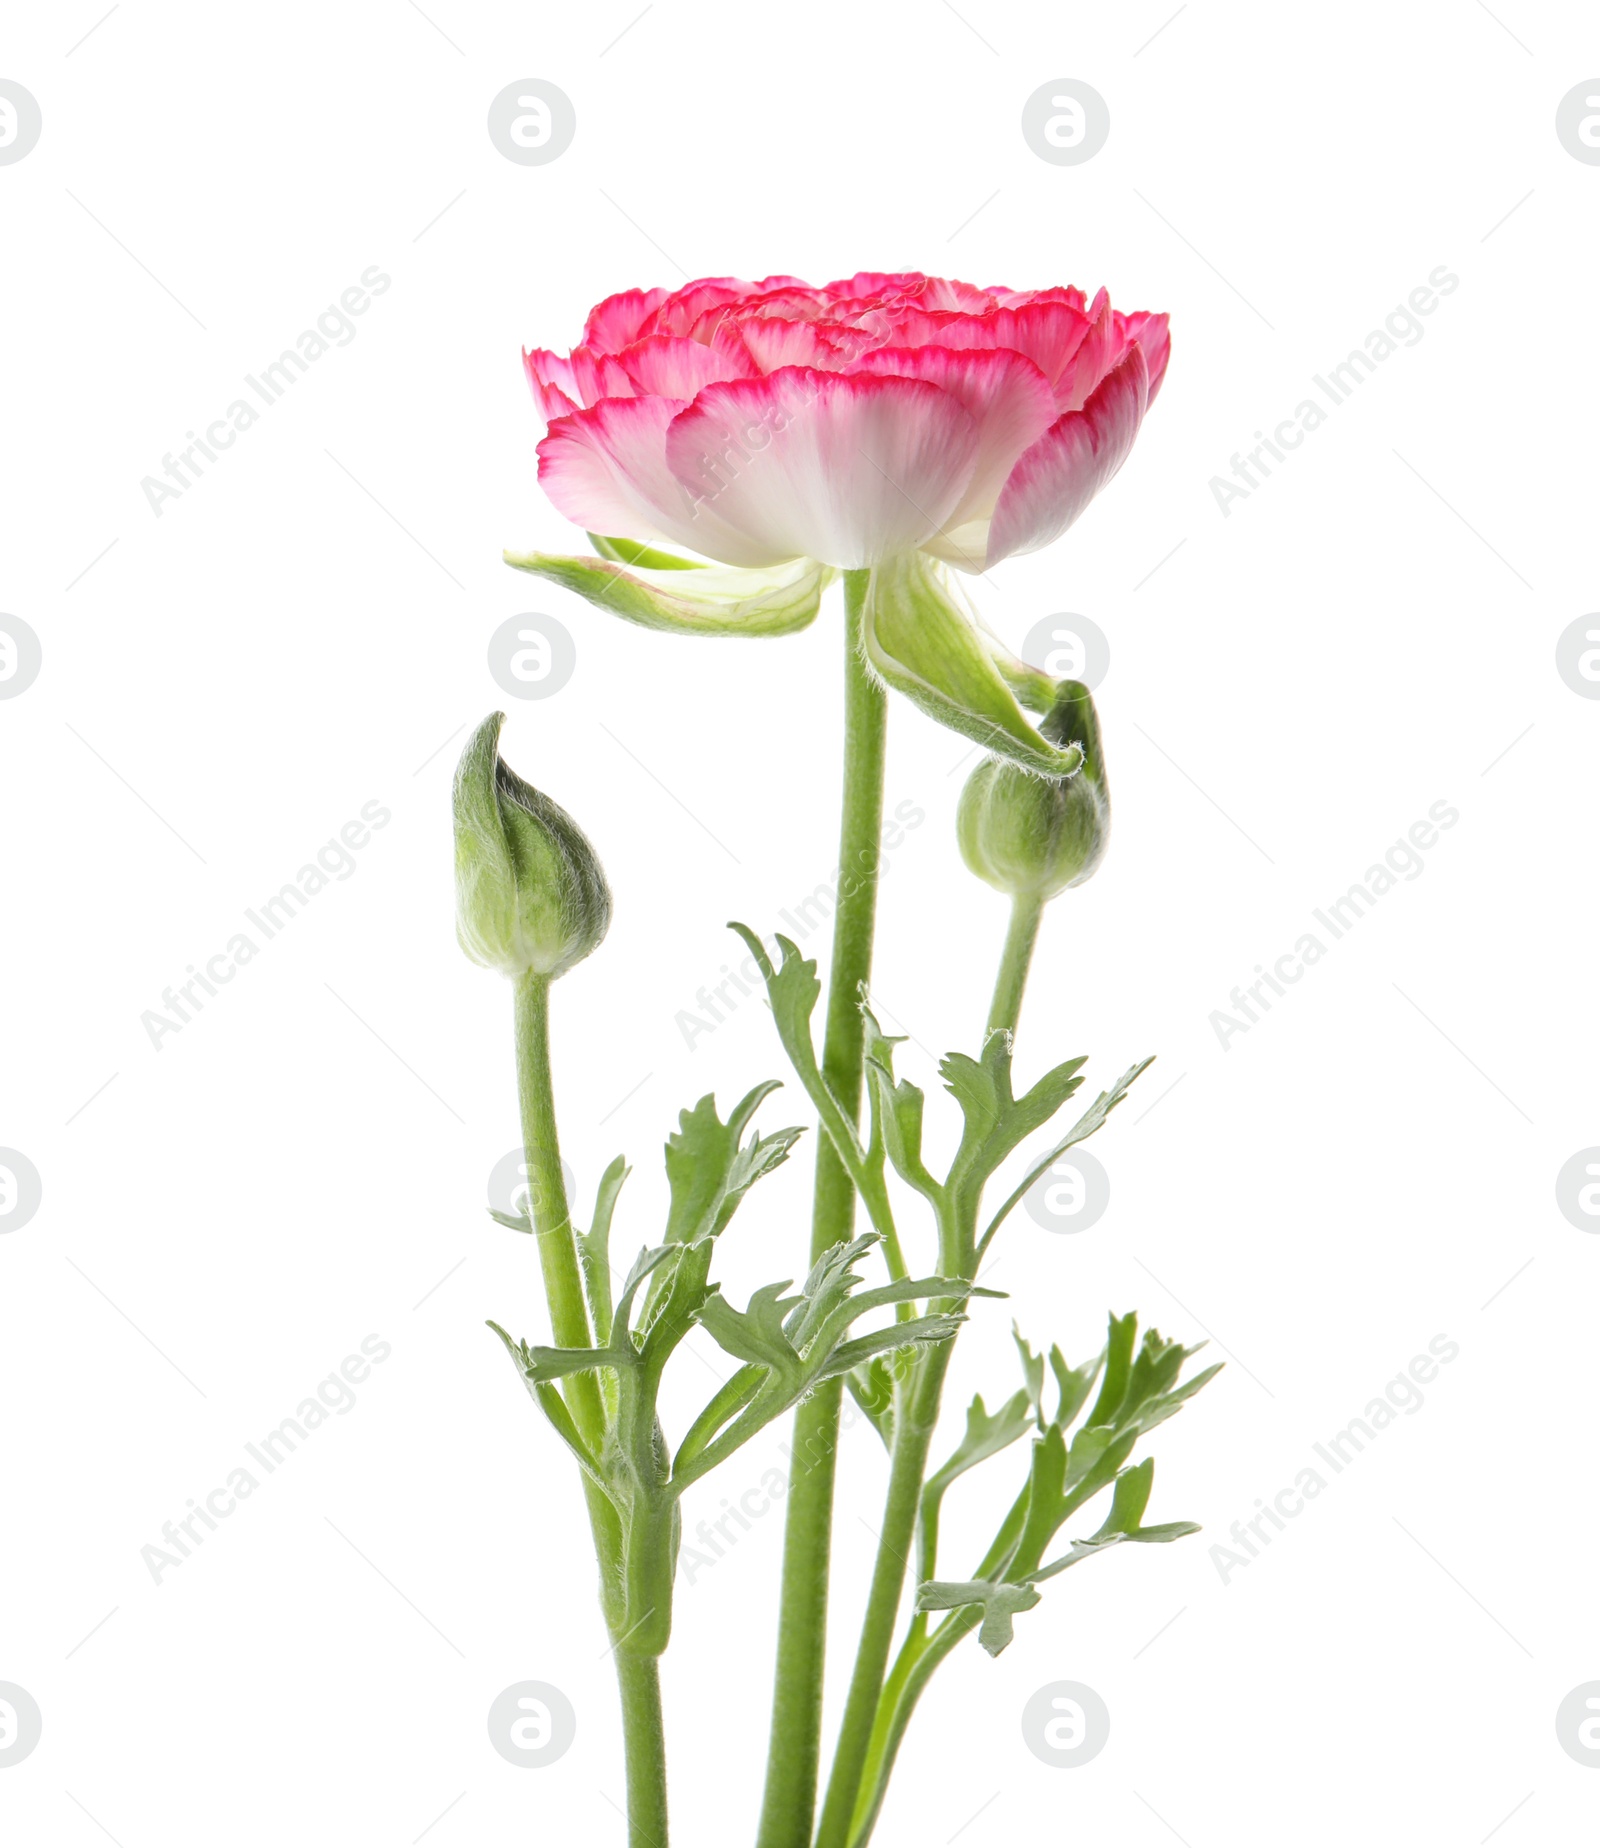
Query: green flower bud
(530,891)
(1032,836)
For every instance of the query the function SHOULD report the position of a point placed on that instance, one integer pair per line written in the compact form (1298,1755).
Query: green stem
(639,1678)
(1015,961)
(789,1800)
(637,1675)
(869,1735)
(914,1424)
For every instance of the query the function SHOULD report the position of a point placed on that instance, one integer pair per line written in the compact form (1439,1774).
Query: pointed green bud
(1031,835)
(530,891)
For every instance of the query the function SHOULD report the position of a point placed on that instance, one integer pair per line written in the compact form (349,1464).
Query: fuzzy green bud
(1032,836)
(531,895)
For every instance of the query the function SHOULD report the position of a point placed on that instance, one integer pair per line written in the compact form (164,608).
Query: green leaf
(1073,1384)
(986,1436)
(1085,1127)
(594,1247)
(872,1387)
(707,600)
(1000,1604)
(756,1333)
(897,1108)
(515,1222)
(924,645)
(1120,1337)
(921,1331)
(1033,1376)
(995,1120)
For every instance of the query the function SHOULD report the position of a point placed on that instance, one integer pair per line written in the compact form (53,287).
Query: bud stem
(1015,960)
(638,1676)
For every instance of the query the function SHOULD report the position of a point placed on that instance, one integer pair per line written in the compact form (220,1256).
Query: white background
(305,1163)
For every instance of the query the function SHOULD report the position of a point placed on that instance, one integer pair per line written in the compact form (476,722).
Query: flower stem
(915,1418)
(639,1678)
(1015,960)
(789,1801)
(637,1675)
(866,1743)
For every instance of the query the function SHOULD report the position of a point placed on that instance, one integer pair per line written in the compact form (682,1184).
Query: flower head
(759,423)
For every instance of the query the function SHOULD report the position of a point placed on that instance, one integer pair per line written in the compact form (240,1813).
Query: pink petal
(1150,331)
(616,322)
(664,367)
(1099,350)
(606,470)
(598,375)
(845,469)
(1048,333)
(1007,396)
(550,379)
(1075,458)
(1022,298)
(772,343)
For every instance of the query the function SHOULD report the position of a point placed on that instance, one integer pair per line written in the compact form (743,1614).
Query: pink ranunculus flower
(890,423)
(761,422)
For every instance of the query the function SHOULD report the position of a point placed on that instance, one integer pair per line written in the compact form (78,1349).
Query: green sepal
(723,600)
(920,641)
(639,557)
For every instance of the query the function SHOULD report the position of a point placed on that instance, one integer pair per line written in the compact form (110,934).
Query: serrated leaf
(1086,1125)
(1000,1604)
(919,1332)
(986,1436)
(594,1247)
(756,1332)
(1073,1384)
(995,1120)
(1120,1337)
